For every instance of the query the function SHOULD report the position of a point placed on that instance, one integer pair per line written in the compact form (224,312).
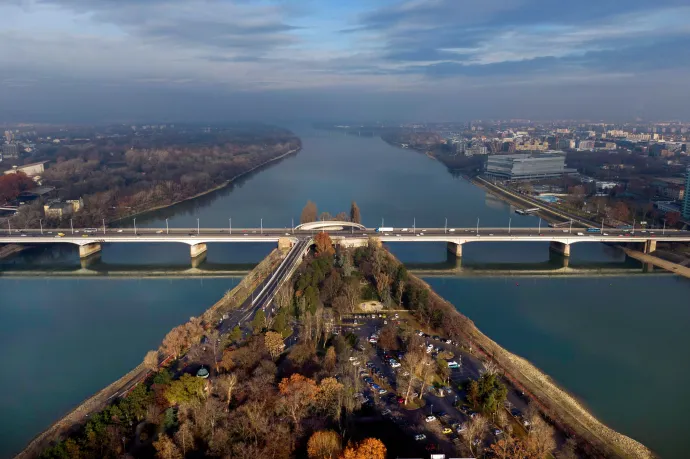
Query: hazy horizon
(418,60)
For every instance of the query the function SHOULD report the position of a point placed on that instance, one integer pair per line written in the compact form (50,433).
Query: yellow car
(61,234)
(447,430)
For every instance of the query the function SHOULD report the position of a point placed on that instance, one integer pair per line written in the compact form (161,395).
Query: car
(452,230)
(497,432)
(287,234)
(60,235)
(159,232)
(605,234)
(430,418)
(397,235)
(382,391)
(400,400)
(435,337)
(420,437)
(447,430)
(580,234)
(386,412)
(461,428)
(565,231)
(491,234)
(352,358)
(404,230)
(119,231)
(441,414)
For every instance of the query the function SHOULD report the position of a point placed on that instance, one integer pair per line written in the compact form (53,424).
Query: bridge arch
(329,225)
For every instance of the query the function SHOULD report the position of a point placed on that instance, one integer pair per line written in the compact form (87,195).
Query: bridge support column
(198,260)
(90,261)
(197,249)
(284,243)
(560,247)
(87,250)
(455,249)
(649,246)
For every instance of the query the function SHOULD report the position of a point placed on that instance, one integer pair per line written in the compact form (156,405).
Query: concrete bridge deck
(197,238)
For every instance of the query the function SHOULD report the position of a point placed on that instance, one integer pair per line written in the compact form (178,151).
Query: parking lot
(441,433)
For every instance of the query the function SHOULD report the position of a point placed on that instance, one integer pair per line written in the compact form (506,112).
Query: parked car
(430,418)
(420,437)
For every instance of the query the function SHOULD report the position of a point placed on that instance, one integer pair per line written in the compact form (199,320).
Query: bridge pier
(285,243)
(455,249)
(90,261)
(197,249)
(198,260)
(560,247)
(87,250)
(649,246)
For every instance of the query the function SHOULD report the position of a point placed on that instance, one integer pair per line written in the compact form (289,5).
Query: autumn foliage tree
(274,344)
(297,395)
(324,244)
(355,216)
(324,444)
(369,448)
(13,184)
(182,337)
(309,213)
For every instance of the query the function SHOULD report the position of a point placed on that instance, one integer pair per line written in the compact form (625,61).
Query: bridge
(343,233)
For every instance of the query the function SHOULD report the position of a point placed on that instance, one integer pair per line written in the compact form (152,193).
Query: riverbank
(209,191)
(561,408)
(73,420)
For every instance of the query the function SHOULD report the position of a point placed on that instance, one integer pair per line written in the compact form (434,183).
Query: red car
(401,400)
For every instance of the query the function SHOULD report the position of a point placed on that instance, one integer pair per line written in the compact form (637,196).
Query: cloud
(419,51)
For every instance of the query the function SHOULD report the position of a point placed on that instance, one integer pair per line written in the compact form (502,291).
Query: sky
(344,60)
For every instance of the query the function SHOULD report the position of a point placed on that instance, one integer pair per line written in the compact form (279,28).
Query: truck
(384,229)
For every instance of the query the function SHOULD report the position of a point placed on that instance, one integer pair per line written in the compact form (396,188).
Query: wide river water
(612,335)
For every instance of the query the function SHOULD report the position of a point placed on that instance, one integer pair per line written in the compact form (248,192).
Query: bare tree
(309,213)
(151,360)
(227,384)
(474,433)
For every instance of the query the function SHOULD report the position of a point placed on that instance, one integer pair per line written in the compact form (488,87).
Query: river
(616,341)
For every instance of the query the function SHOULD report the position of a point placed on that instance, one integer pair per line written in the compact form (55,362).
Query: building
(527,166)
(670,187)
(532,145)
(10,150)
(476,149)
(567,144)
(686,200)
(32,170)
(60,209)
(586,145)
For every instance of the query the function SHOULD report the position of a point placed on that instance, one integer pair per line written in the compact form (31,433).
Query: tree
(324,244)
(185,389)
(330,359)
(355,216)
(309,213)
(174,342)
(166,448)
(369,448)
(274,344)
(620,211)
(328,399)
(227,384)
(325,217)
(541,440)
(568,450)
(259,321)
(475,431)
(151,360)
(324,444)
(297,395)
(235,334)
(488,393)
(388,338)
(509,447)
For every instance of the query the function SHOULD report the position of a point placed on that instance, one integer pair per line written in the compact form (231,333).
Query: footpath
(675,268)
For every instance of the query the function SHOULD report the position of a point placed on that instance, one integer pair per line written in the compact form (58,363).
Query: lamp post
(104,226)
(539,225)
(40,222)
(414,225)
(445,226)
(262,226)
(71,225)
(135,226)
(229,225)
(167,227)
(198,227)
(381,222)
(663,231)
(509,223)
(477,226)
(571,226)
